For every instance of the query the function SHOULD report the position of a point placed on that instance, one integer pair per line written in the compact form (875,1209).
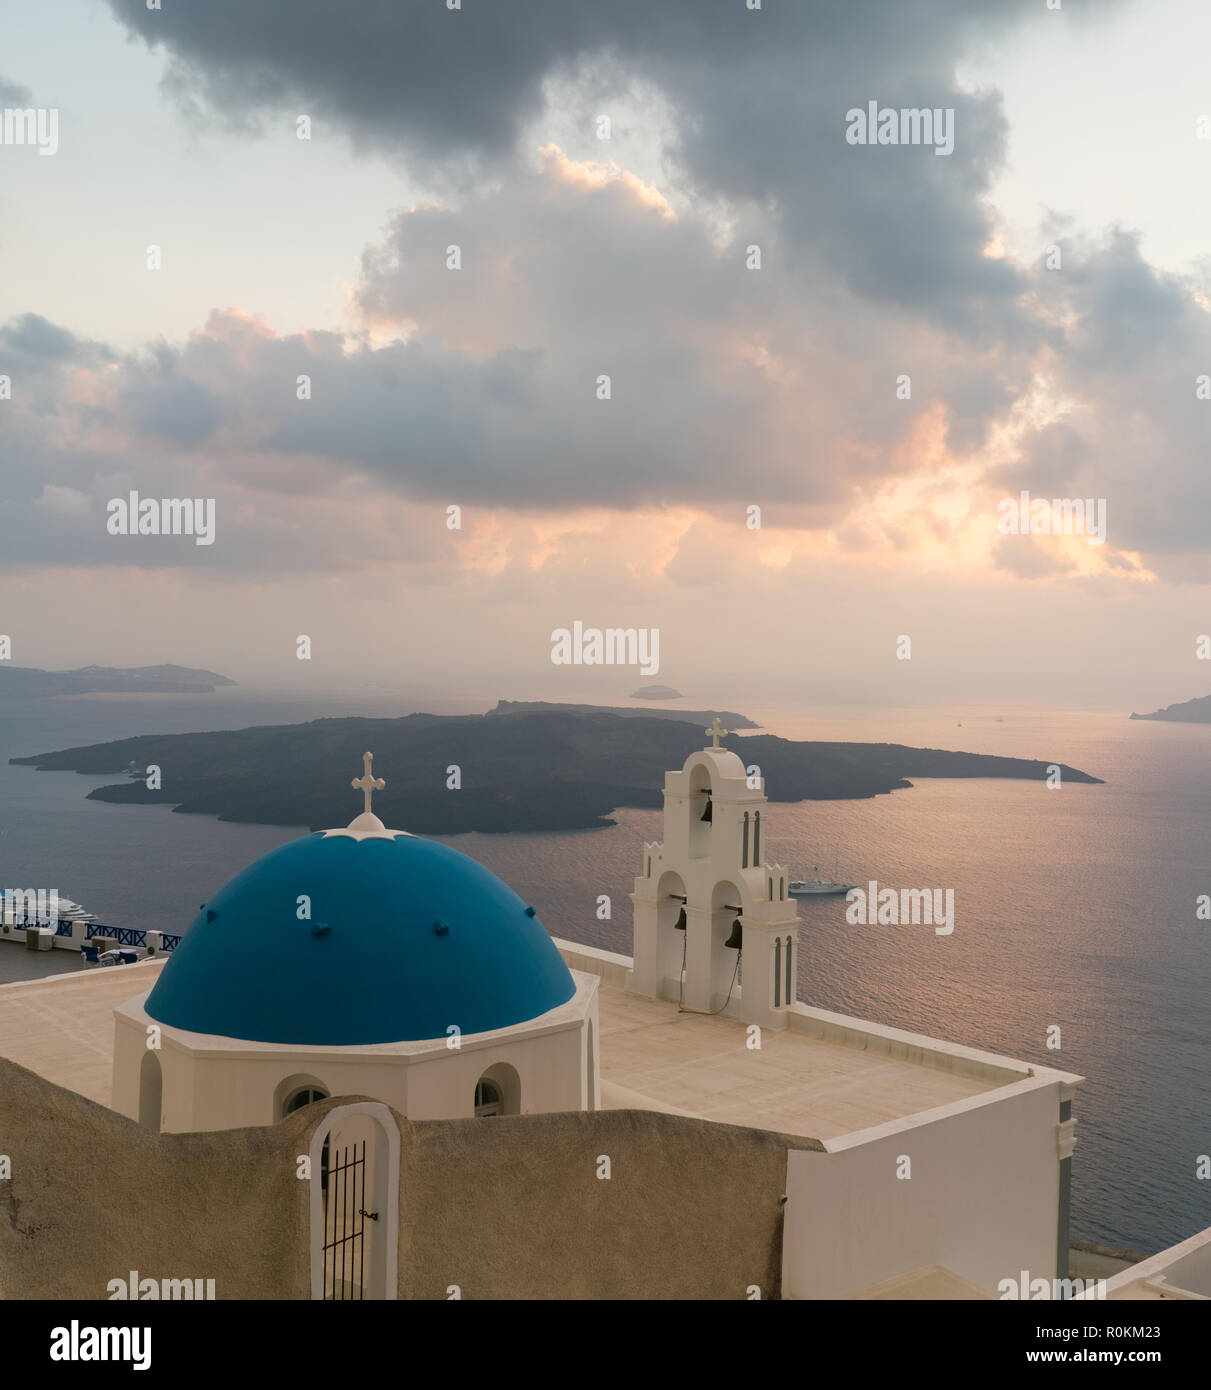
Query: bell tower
(714,928)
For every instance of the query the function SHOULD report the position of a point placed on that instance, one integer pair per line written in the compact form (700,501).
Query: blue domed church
(359,961)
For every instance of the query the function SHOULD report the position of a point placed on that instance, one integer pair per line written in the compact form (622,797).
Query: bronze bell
(679,924)
(706,813)
(736,940)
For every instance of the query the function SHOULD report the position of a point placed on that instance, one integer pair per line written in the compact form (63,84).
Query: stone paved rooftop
(652,1057)
(62,1027)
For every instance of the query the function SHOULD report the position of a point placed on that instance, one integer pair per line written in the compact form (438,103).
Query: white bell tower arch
(709,874)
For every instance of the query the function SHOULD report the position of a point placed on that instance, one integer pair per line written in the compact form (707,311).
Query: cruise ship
(15,909)
(816,886)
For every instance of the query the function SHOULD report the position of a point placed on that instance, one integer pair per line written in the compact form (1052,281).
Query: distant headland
(1197,711)
(519,768)
(109,680)
(729,718)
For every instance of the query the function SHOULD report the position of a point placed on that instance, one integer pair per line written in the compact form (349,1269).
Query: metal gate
(343,1180)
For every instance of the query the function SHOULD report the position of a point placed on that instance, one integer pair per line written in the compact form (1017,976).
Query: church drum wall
(221,1092)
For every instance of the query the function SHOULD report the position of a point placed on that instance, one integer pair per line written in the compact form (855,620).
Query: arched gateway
(354,1155)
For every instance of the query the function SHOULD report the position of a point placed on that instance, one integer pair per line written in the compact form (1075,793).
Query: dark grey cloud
(413,76)
(1058,454)
(162,402)
(1134,430)
(13,94)
(31,336)
(1128,311)
(759,98)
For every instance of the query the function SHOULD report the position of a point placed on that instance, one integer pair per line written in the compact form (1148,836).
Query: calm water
(1073,907)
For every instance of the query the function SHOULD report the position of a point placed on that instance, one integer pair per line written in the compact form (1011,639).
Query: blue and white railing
(71,932)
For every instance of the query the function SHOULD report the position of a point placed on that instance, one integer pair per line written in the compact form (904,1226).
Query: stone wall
(511,1207)
(93,1196)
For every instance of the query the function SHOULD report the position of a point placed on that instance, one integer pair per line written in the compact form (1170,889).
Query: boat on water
(815,886)
(71,911)
(33,908)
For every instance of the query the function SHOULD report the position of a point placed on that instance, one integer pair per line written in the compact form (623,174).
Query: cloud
(31,336)
(724,394)
(13,94)
(758,99)
(159,401)
(729,386)
(1028,558)
(1133,429)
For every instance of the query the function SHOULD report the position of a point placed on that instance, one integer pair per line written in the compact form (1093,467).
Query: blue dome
(406,938)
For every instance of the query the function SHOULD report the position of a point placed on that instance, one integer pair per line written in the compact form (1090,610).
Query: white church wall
(981,1199)
(228,1088)
(231,1089)
(221,1083)
(130,1042)
(131,1039)
(549,1067)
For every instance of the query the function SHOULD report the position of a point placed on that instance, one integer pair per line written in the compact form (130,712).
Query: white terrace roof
(654,1058)
(62,1027)
(826,1077)
(823,1077)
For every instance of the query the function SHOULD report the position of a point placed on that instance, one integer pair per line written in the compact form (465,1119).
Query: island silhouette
(542,769)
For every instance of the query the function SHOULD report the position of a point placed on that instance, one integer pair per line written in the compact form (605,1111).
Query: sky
(831,365)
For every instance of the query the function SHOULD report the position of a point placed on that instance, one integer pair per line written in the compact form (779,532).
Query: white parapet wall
(1183,1273)
(840,1028)
(972,1187)
(610,966)
(909,1047)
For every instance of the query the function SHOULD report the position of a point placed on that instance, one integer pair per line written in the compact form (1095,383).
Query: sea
(1076,940)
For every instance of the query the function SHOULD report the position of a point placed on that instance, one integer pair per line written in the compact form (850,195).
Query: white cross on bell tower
(716,731)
